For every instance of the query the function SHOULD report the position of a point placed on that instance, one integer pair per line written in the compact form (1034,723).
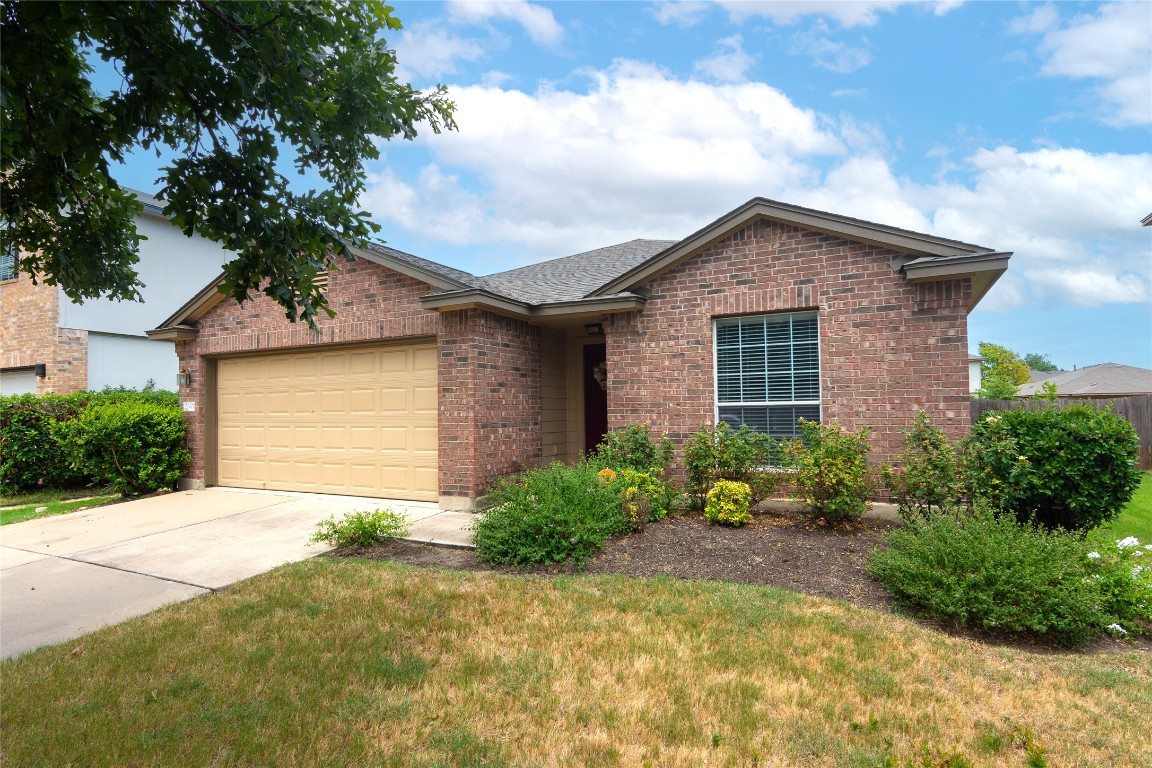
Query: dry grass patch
(368,663)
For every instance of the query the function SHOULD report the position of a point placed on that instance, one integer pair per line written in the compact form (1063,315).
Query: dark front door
(595,398)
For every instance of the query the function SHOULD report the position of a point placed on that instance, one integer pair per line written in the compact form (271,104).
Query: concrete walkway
(65,576)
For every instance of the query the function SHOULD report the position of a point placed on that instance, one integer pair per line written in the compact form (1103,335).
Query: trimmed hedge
(35,447)
(1071,468)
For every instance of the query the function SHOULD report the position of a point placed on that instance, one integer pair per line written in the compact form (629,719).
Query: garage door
(358,421)
(18,382)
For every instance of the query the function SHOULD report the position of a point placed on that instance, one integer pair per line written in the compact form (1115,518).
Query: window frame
(767,404)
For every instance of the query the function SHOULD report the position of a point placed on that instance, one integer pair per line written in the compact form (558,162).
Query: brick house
(50,344)
(431,382)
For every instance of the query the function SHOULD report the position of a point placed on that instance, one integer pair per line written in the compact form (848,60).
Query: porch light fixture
(594,329)
(183,379)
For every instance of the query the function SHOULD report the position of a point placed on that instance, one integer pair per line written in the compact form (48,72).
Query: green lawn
(27,506)
(348,662)
(1136,519)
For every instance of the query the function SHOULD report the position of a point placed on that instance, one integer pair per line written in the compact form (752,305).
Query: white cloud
(537,21)
(846,14)
(729,64)
(827,53)
(640,153)
(428,50)
(682,13)
(1112,47)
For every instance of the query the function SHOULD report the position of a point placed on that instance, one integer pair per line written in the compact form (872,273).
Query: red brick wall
(887,348)
(488,366)
(490,399)
(29,335)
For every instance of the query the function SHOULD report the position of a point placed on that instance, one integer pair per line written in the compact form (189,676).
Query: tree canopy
(1040,362)
(227,87)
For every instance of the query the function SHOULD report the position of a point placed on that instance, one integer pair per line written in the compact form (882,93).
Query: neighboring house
(975,375)
(1106,380)
(431,382)
(50,344)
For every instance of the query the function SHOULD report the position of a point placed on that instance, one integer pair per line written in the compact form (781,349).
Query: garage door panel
(362,401)
(424,399)
(394,400)
(425,440)
(359,421)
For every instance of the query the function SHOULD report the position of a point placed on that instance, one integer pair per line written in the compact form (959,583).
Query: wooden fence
(1137,410)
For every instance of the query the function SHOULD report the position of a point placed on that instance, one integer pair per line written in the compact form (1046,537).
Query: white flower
(1136,571)
(1131,541)
(1148,547)
(1117,628)
(1093,555)
(1137,553)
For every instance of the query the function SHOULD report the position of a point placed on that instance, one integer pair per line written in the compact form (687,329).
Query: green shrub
(743,455)
(631,447)
(136,447)
(930,477)
(729,503)
(30,455)
(549,515)
(994,573)
(361,529)
(1072,468)
(831,470)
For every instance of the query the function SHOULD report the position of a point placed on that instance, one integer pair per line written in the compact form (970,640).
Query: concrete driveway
(65,576)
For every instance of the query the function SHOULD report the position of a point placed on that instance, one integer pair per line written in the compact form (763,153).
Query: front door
(595,397)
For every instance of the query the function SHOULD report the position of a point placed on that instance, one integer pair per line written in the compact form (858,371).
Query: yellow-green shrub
(728,502)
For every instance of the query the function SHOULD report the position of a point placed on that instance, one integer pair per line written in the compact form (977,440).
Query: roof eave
(904,241)
(479,298)
(173,333)
(983,269)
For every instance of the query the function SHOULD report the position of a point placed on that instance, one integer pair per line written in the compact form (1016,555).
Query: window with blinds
(8,254)
(768,371)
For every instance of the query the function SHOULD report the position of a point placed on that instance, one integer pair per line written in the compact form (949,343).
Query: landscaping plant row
(133,441)
(999,533)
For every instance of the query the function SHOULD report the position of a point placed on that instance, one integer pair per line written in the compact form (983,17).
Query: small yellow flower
(1022,458)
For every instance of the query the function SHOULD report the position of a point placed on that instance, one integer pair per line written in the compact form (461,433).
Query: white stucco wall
(973,375)
(173,269)
(130,361)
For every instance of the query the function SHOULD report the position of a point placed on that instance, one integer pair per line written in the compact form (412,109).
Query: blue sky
(1024,127)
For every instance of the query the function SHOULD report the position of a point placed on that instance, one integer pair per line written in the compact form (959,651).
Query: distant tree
(993,388)
(1039,362)
(1003,364)
(227,86)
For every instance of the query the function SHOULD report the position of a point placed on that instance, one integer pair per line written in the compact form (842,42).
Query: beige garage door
(358,421)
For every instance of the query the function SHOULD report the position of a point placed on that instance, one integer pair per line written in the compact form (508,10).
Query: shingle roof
(571,277)
(456,275)
(1095,381)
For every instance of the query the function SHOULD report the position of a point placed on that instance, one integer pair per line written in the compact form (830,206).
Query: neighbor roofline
(1147,220)
(902,240)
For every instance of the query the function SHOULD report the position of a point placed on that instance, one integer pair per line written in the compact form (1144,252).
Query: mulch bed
(782,549)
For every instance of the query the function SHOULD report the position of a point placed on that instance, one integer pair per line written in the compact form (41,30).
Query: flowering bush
(728,503)
(1123,572)
(361,529)
(930,477)
(632,447)
(996,573)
